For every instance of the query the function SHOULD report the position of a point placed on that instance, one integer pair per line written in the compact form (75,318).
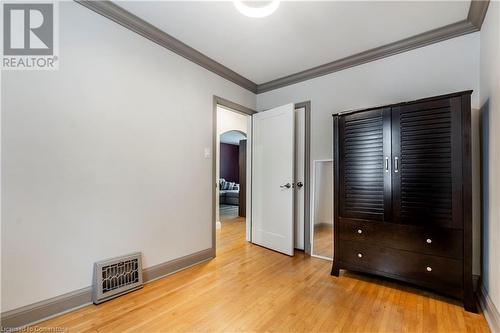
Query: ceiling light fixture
(257,11)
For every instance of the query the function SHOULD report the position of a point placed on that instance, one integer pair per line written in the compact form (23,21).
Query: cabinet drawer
(433,241)
(441,274)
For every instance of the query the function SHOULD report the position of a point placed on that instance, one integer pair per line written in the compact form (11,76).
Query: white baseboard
(218,225)
(489,309)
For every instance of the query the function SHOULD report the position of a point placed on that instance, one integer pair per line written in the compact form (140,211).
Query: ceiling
(232,137)
(298,36)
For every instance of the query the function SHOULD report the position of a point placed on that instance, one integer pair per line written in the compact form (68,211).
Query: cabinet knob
(360,231)
(429,269)
(429,240)
(360,255)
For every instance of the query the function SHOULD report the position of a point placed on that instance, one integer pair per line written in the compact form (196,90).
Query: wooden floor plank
(248,288)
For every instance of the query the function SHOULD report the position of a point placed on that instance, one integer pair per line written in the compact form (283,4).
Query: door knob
(287,185)
(300,184)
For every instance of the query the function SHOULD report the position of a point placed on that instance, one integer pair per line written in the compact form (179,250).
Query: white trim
(321,257)
(313,199)
(248,212)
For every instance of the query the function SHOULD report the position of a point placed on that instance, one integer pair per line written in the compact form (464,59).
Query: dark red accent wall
(229,167)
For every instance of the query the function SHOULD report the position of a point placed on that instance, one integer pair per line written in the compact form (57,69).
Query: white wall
(103,157)
(227,121)
(490,128)
(441,68)
(230,121)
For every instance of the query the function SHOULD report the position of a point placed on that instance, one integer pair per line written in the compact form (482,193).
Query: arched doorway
(232,175)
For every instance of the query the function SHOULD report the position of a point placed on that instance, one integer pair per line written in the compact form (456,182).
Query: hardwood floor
(251,289)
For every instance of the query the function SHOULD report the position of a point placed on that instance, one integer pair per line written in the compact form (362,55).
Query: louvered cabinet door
(427,163)
(364,161)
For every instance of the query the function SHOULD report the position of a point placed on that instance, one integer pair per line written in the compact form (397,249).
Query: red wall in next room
(229,167)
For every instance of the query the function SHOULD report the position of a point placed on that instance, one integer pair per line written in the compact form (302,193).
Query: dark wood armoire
(403,206)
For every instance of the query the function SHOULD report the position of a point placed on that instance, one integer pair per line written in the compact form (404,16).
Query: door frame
(307,175)
(235,107)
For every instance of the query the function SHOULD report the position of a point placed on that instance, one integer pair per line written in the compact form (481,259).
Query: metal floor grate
(119,275)
(116,276)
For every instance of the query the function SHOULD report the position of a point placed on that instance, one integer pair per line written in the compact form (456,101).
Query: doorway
(232,125)
(225,208)
(232,173)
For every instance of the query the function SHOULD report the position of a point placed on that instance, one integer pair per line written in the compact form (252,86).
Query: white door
(272,179)
(300,144)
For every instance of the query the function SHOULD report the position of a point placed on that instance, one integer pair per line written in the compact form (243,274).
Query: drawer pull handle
(429,269)
(360,231)
(360,255)
(429,240)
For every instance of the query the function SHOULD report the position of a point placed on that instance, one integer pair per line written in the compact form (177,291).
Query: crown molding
(477,12)
(473,22)
(475,18)
(132,22)
(407,44)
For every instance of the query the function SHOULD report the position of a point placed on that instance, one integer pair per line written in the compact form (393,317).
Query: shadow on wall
(485,187)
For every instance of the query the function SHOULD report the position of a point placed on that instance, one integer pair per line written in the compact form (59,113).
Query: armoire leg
(335,270)
(470,303)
